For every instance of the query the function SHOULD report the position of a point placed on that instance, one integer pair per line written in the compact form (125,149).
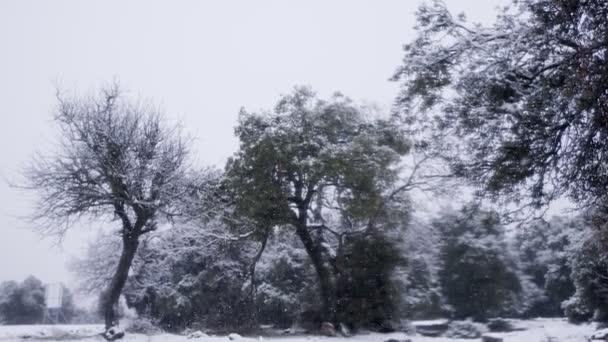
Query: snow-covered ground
(538,330)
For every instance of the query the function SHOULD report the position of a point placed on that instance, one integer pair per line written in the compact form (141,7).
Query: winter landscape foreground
(536,330)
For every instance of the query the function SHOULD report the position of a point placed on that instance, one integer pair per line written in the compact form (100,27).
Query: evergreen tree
(417,277)
(478,276)
(23,303)
(321,168)
(588,262)
(366,295)
(517,107)
(543,258)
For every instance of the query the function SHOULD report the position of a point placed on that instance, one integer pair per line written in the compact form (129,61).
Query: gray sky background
(200,60)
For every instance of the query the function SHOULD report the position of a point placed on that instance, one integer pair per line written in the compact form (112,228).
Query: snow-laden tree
(284,282)
(191,275)
(477,273)
(23,303)
(9,301)
(417,277)
(517,107)
(116,160)
(543,258)
(588,262)
(95,268)
(323,169)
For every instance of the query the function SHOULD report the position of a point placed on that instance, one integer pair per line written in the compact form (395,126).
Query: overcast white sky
(201,60)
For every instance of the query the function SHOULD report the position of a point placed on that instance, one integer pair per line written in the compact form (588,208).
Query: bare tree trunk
(109,298)
(326,283)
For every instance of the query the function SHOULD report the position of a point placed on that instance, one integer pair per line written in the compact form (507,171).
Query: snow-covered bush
(197,286)
(465,329)
(576,310)
(284,282)
(181,277)
(417,277)
(421,296)
(500,325)
(142,326)
(542,250)
(588,261)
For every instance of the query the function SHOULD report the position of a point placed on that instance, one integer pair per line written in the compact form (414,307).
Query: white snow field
(537,330)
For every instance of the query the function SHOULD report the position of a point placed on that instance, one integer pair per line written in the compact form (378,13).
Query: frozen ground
(539,330)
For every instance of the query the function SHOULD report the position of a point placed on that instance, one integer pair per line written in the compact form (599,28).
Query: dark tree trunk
(326,281)
(109,298)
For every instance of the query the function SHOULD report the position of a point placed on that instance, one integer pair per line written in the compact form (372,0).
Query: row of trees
(460,264)
(477,269)
(179,280)
(23,303)
(323,170)
(515,109)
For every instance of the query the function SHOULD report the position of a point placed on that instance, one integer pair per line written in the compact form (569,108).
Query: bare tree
(118,161)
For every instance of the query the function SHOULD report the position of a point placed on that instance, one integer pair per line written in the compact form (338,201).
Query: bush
(142,326)
(478,278)
(365,291)
(589,265)
(23,303)
(285,288)
(576,310)
(465,329)
(421,294)
(500,325)
(543,260)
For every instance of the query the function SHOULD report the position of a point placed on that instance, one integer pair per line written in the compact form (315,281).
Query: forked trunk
(109,298)
(326,283)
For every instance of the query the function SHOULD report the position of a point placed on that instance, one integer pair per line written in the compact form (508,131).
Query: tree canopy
(322,167)
(116,159)
(518,107)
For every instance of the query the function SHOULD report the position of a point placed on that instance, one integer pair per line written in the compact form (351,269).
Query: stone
(114,333)
(343,329)
(500,325)
(234,336)
(601,335)
(196,334)
(491,338)
(432,328)
(328,329)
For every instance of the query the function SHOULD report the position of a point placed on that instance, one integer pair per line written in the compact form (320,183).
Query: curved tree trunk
(109,298)
(326,282)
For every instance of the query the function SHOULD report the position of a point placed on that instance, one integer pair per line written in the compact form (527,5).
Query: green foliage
(589,265)
(307,144)
(478,277)
(285,283)
(280,293)
(543,258)
(367,296)
(192,287)
(322,168)
(422,297)
(517,107)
